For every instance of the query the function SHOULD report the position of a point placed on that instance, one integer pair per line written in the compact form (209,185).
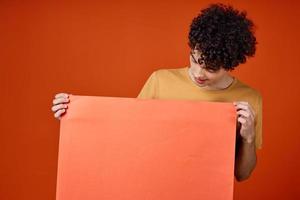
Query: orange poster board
(144,149)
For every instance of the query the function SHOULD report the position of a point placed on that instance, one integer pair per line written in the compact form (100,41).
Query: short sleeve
(149,89)
(258,125)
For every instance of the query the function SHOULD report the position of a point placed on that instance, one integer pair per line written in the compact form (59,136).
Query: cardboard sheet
(143,149)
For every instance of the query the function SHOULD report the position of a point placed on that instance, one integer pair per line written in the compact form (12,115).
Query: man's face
(203,76)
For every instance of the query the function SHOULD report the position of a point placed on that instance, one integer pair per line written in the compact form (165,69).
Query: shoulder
(169,73)
(246,90)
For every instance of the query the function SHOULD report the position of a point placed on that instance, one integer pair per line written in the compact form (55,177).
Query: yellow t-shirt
(176,84)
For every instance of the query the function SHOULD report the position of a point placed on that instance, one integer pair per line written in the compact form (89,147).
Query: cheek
(213,76)
(193,68)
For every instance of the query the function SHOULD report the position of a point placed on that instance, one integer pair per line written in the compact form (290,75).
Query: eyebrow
(196,59)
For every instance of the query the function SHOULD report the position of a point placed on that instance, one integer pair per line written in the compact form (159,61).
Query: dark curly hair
(223,35)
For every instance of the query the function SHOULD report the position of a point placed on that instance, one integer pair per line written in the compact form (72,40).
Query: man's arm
(245,160)
(245,154)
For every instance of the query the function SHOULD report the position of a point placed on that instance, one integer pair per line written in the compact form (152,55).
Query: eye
(210,70)
(201,62)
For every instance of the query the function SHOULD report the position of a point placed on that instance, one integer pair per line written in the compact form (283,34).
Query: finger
(59,106)
(247,108)
(237,102)
(241,120)
(61,100)
(243,113)
(242,110)
(59,113)
(241,107)
(241,102)
(248,105)
(246,115)
(61,95)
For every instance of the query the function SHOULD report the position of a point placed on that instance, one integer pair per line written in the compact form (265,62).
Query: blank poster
(115,148)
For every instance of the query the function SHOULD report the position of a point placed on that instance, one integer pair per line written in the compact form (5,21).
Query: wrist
(248,140)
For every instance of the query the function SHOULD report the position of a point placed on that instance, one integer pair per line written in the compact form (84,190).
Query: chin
(201,85)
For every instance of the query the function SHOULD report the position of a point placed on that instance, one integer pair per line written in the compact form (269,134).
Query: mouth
(199,80)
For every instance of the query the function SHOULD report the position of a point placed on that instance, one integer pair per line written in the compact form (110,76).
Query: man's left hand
(246,117)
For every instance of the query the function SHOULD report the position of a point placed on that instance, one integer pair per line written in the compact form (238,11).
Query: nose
(200,73)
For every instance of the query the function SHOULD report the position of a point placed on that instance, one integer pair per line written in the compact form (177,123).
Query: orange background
(110,49)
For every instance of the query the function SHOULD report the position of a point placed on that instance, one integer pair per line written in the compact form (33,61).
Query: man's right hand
(60,104)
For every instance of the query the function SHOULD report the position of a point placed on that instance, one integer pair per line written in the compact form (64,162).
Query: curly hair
(224,35)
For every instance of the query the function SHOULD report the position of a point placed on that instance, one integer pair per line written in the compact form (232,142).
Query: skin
(245,158)
(216,80)
(60,104)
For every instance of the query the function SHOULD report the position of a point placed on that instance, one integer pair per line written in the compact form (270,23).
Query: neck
(224,83)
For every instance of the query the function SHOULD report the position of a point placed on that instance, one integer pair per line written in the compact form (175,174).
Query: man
(220,39)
